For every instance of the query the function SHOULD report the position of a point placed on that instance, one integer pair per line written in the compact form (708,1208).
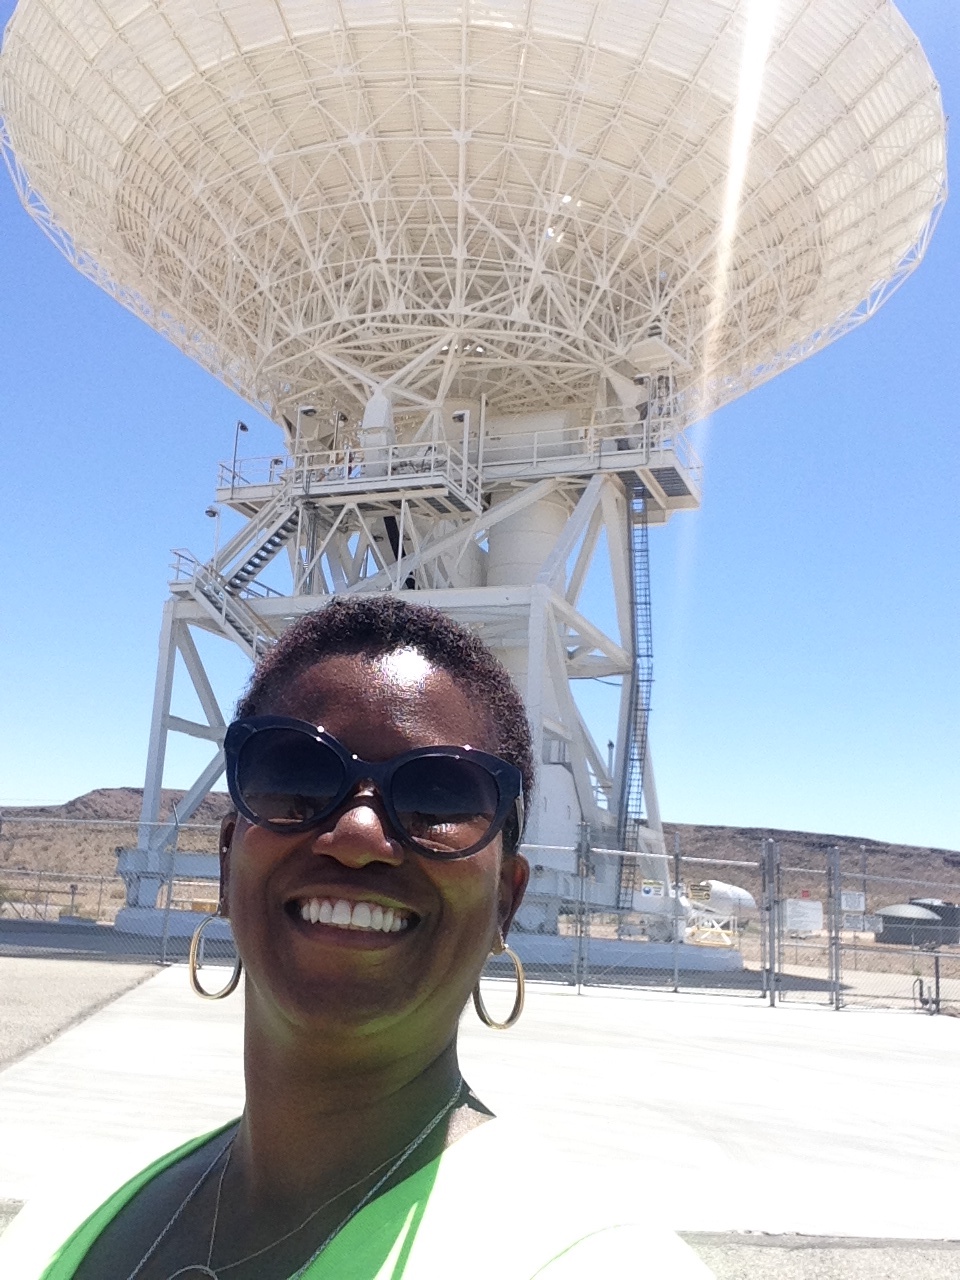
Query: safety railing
(358,467)
(186,567)
(587,443)
(595,444)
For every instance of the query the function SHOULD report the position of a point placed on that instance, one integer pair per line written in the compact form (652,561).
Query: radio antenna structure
(483,265)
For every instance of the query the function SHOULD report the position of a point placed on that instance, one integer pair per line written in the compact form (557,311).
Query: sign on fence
(853,900)
(802,915)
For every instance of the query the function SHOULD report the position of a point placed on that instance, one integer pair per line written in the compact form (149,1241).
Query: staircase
(252,548)
(631,793)
(234,615)
(271,541)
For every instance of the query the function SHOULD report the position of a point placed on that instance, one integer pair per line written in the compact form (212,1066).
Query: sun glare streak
(758,36)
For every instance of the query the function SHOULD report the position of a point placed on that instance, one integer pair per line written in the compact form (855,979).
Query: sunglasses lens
(445,803)
(287,778)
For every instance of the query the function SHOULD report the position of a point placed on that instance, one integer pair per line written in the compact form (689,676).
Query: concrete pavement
(726,1116)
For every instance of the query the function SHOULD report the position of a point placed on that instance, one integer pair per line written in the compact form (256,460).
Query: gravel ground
(8,1211)
(40,997)
(739,1257)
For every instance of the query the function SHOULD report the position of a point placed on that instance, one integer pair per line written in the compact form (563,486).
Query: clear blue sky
(806,619)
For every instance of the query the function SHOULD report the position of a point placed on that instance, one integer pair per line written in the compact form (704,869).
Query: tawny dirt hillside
(82,836)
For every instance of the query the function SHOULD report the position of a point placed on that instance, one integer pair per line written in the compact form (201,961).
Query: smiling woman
(378,766)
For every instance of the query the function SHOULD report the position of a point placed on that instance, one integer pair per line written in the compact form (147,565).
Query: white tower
(483,264)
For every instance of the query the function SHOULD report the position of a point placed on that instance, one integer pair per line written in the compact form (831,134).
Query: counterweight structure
(483,265)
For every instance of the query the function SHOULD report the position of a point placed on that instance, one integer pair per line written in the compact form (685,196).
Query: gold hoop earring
(232,981)
(502,950)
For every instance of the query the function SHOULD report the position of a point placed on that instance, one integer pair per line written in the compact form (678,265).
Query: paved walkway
(727,1116)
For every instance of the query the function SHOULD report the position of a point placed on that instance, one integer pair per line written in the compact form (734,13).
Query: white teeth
(362,916)
(357,915)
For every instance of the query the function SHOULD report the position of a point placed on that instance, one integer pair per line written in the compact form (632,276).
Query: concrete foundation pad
(724,1115)
(611,954)
(152,922)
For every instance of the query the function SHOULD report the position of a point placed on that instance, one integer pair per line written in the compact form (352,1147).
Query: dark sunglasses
(446,802)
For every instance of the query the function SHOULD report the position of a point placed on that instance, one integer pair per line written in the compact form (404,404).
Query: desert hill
(116,804)
(886,872)
(81,838)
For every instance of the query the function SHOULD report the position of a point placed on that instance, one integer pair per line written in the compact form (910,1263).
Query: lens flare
(758,36)
(760,23)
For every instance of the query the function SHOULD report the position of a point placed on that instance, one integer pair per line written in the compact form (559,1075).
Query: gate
(844,927)
(619,918)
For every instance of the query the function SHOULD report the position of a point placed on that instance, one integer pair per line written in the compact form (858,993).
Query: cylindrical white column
(518,547)
(520,544)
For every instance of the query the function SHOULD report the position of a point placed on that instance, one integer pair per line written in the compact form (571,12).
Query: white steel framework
(414,519)
(314,200)
(483,264)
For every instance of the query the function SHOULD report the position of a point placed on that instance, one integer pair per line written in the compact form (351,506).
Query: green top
(487,1206)
(383,1232)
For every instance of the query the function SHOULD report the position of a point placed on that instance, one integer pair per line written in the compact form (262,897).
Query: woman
(378,767)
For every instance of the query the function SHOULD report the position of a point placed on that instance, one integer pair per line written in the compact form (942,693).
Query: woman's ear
(227,827)
(514,874)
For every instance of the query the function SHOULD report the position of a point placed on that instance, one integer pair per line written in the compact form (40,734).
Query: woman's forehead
(401,694)
(405,666)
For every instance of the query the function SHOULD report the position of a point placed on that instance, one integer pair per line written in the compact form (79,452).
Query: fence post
(770,920)
(676,911)
(583,870)
(166,915)
(833,924)
(767,906)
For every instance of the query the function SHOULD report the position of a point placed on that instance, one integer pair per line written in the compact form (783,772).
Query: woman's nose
(360,832)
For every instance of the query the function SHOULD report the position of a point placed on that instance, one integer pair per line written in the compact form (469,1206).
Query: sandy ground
(40,997)
(793,1143)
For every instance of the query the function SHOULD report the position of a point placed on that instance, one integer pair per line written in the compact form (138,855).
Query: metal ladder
(641,677)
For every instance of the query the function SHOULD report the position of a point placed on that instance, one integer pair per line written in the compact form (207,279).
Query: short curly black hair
(379,624)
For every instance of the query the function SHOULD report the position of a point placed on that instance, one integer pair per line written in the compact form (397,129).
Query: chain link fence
(844,928)
(61,893)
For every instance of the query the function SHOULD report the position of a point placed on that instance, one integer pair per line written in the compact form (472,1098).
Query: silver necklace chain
(365,1200)
(207,1270)
(183,1204)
